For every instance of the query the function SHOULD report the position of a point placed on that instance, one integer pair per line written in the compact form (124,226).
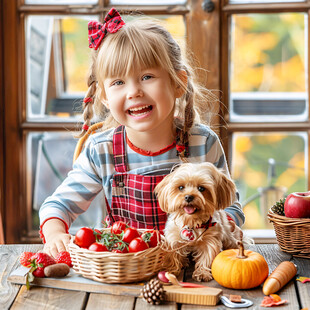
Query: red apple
(297,205)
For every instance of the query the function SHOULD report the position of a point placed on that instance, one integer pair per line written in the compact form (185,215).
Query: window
(57,61)
(256,57)
(265,82)
(268,67)
(45,81)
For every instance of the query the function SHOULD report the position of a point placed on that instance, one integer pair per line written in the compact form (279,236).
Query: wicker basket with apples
(291,221)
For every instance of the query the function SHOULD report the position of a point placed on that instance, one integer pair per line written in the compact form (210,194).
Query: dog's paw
(199,276)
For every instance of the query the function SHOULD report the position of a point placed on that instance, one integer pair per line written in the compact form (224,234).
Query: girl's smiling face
(142,101)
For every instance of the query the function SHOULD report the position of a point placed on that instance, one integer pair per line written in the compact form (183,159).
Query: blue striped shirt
(94,169)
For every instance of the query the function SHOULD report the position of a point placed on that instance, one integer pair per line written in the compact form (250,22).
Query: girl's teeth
(138,114)
(140,110)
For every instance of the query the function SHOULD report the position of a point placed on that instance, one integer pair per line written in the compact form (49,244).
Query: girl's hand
(56,243)
(56,237)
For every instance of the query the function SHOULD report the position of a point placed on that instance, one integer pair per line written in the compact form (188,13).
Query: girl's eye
(201,188)
(181,188)
(118,82)
(146,77)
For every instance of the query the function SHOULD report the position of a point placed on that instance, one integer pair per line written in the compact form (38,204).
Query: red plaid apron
(133,198)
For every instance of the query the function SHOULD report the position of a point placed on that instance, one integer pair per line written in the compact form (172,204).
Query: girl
(140,84)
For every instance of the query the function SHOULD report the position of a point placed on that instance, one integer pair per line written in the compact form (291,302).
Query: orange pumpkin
(239,268)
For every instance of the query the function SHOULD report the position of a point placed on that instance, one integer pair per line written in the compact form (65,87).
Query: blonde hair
(140,44)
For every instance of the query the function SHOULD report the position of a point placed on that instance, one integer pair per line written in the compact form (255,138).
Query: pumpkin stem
(241,250)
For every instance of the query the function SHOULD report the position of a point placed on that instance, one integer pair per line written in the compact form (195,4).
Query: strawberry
(41,259)
(39,272)
(24,258)
(64,257)
(38,262)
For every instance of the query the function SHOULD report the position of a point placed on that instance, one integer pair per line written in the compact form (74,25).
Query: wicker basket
(293,234)
(108,267)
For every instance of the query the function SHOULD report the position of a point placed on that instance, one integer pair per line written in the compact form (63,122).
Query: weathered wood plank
(304,294)
(8,291)
(48,298)
(196,307)
(66,299)
(273,254)
(142,305)
(9,261)
(303,288)
(76,282)
(254,295)
(110,302)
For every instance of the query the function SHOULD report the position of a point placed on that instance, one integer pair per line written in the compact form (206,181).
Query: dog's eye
(181,188)
(201,188)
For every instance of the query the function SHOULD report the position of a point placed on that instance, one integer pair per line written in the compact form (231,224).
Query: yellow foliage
(175,25)
(292,175)
(253,45)
(270,138)
(292,18)
(243,21)
(243,144)
(69,25)
(265,40)
(247,79)
(252,216)
(75,63)
(246,75)
(238,169)
(288,178)
(298,161)
(254,178)
(251,68)
(78,80)
(289,75)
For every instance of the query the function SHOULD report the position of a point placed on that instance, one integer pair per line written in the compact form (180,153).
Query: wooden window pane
(58,61)
(76,54)
(147,2)
(49,159)
(49,154)
(268,67)
(266,166)
(57,57)
(57,2)
(262,1)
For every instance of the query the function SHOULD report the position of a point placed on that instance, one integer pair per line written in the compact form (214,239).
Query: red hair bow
(97,31)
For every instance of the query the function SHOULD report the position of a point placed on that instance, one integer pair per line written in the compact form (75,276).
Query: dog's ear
(161,191)
(226,192)
(174,167)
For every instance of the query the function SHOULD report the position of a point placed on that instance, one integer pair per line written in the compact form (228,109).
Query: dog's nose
(189,198)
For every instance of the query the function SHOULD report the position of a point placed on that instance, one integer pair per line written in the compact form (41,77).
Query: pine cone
(278,207)
(153,292)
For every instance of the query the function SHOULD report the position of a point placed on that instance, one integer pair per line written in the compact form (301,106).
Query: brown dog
(195,196)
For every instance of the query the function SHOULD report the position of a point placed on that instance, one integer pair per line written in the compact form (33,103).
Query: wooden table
(15,296)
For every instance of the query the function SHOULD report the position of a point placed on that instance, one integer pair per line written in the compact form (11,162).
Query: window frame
(15,193)
(202,28)
(228,128)
(231,127)
(2,222)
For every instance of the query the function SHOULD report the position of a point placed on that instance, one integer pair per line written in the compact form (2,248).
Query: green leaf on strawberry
(38,262)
